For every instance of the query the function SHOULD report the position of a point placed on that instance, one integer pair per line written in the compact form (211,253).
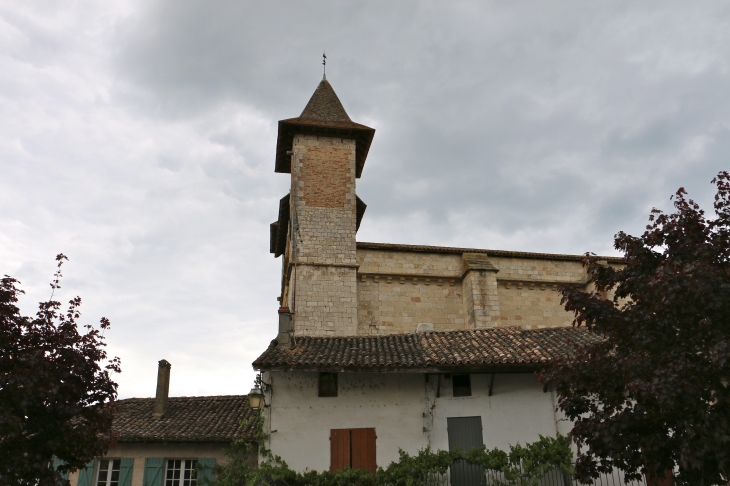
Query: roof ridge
(194,397)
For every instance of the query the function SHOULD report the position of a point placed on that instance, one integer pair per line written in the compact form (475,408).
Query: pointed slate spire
(324,105)
(323,115)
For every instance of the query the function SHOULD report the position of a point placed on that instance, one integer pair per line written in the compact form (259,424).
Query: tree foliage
(55,388)
(652,396)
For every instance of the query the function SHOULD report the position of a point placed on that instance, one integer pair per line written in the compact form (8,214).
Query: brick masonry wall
(323,200)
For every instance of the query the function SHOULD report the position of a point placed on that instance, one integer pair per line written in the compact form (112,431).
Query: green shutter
(58,462)
(125,471)
(86,475)
(206,470)
(153,471)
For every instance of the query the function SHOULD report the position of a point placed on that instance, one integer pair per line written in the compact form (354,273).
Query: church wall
(325,301)
(404,411)
(531,307)
(542,270)
(391,305)
(419,264)
(528,290)
(398,290)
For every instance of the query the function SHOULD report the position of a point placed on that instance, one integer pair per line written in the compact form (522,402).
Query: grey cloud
(139,139)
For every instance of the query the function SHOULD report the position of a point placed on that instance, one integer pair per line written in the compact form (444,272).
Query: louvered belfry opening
(353,448)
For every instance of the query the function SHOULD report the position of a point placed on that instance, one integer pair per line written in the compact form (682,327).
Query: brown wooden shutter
(363,449)
(340,449)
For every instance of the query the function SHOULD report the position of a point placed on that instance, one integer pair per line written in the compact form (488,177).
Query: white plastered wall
(395,404)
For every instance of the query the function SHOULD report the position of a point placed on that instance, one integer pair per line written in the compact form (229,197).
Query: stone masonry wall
(395,305)
(528,291)
(322,256)
(326,301)
(327,236)
(398,290)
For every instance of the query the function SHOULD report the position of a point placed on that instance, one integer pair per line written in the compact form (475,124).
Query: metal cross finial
(324,66)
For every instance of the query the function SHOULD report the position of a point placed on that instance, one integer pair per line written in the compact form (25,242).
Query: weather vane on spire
(324,66)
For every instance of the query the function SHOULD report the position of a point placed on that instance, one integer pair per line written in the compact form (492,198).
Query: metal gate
(465,433)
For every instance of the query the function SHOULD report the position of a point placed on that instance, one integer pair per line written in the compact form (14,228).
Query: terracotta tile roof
(496,348)
(188,419)
(362,245)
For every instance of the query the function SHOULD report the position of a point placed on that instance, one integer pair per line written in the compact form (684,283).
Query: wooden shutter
(56,463)
(126,465)
(340,449)
(206,470)
(153,471)
(363,449)
(86,475)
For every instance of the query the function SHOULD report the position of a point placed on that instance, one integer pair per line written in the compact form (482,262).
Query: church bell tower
(324,151)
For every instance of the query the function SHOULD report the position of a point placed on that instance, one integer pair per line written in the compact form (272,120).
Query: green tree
(652,396)
(55,389)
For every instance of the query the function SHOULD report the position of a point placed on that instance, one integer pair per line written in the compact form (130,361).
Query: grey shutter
(58,462)
(153,471)
(465,433)
(126,466)
(86,475)
(206,470)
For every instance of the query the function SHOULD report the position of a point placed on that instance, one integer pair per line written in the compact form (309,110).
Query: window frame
(321,393)
(180,481)
(110,471)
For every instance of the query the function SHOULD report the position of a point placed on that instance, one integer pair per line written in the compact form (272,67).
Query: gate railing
(554,477)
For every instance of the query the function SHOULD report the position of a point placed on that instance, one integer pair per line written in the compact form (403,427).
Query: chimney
(285,326)
(163,388)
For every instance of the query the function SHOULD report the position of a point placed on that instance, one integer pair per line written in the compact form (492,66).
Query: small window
(108,474)
(327,385)
(181,472)
(462,385)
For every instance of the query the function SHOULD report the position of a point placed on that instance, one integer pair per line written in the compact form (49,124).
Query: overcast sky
(138,137)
